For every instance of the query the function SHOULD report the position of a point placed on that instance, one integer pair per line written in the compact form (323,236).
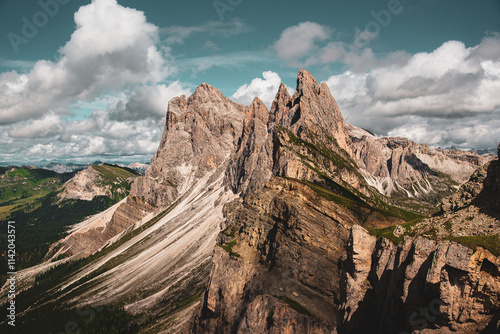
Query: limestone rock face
(292,257)
(251,165)
(398,166)
(200,134)
(310,133)
(305,138)
(419,286)
(283,264)
(481,190)
(474,210)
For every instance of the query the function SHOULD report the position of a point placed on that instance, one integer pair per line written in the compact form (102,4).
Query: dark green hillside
(30,198)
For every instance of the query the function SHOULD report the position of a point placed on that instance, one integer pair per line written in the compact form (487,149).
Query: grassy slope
(21,188)
(29,197)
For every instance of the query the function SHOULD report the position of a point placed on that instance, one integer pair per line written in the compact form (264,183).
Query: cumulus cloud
(450,91)
(96,136)
(481,131)
(49,126)
(299,40)
(112,47)
(265,89)
(147,102)
(309,43)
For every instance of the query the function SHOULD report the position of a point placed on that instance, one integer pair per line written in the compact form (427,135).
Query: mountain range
(280,220)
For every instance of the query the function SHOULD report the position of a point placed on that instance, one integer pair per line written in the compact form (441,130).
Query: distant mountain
(399,167)
(64,168)
(138,166)
(71,167)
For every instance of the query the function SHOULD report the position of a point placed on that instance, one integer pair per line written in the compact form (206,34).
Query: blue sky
(81,80)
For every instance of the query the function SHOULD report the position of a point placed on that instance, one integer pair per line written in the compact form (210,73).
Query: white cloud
(147,102)
(451,91)
(297,41)
(265,89)
(209,45)
(49,126)
(303,45)
(112,47)
(97,136)
(481,131)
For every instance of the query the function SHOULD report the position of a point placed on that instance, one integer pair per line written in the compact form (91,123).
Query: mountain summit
(252,220)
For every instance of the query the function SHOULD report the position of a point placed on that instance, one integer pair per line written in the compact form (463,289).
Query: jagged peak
(205,88)
(283,92)
(280,103)
(257,101)
(306,82)
(258,110)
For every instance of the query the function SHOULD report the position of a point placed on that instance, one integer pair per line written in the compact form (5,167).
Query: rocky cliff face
(302,137)
(200,134)
(287,188)
(474,210)
(420,286)
(157,243)
(398,166)
(293,257)
(431,282)
(276,269)
(481,190)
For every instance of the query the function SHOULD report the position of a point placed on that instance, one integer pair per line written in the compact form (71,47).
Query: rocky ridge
(398,166)
(153,249)
(472,211)
(276,268)
(98,180)
(292,256)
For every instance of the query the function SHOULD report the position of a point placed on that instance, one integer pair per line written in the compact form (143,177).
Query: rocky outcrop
(481,190)
(165,230)
(306,139)
(398,166)
(293,258)
(474,210)
(276,269)
(420,286)
(97,231)
(201,132)
(251,165)
(91,182)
